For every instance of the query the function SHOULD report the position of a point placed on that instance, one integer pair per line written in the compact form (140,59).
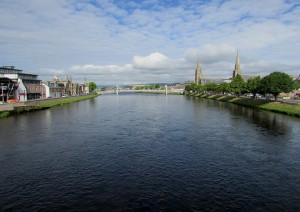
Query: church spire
(237,68)
(198,73)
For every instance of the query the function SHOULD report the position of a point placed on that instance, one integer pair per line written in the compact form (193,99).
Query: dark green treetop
(276,83)
(92,86)
(238,85)
(253,85)
(224,87)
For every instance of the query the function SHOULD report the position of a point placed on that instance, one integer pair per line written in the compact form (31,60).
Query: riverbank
(278,107)
(42,104)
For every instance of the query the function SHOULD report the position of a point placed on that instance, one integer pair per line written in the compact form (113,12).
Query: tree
(188,88)
(212,87)
(157,86)
(92,86)
(238,85)
(276,83)
(297,84)
(253,85)
(224,87)
(193,87)
(199,88)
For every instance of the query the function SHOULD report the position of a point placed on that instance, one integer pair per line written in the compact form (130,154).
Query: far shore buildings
(64,87)
(17,86)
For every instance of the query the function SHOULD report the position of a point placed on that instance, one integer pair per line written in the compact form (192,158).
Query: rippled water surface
(138,152)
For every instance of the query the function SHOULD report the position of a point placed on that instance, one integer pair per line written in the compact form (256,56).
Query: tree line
(148,87)
(274,84)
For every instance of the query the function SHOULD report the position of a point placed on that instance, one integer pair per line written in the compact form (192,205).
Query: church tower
(237,68)
(198,73)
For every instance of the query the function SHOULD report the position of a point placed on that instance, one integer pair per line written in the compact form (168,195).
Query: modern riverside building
(20,86)
(237,68)
(198,74)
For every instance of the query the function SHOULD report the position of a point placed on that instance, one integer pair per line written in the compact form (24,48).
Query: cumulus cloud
(153,61)
(158,40)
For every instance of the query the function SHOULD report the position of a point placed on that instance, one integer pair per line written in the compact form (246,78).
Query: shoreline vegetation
(268,105)
(161,92)
(45,105)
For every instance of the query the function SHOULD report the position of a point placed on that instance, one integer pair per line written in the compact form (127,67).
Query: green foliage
(277,82)
(201,88)
(298,84)
(148,87)
(4,114)
(187,88)
(253,85)
(238,85)
(139,88)
(192,87)
(212,87)
(223,88)
(92,86)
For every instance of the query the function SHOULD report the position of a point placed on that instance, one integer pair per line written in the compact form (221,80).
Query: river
(145,152)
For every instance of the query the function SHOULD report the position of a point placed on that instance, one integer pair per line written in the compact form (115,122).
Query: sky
(152,41)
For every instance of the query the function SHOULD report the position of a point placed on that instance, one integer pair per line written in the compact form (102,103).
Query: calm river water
(142,152)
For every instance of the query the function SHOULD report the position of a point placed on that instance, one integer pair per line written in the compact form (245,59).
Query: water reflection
(266,122)
(150,152)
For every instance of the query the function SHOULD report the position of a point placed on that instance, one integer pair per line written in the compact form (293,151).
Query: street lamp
(2,91)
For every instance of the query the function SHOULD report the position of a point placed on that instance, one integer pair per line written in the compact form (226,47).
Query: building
(7,89)
(237,68)
(67,87)
(53,89)
(84,87)
(25,86)
(198,74)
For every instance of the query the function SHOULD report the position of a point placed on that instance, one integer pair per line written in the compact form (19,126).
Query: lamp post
(2,91)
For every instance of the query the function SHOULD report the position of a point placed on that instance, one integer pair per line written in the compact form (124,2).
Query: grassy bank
(279,107)
(5,114)
(45,105)
(63,101)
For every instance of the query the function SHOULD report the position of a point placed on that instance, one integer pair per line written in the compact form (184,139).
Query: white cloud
(153,61)
(51,37)
(99,70)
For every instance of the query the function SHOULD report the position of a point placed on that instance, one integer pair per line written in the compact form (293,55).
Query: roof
(6,80)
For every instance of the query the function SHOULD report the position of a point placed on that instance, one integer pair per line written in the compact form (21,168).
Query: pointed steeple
(198,73)
(237,68)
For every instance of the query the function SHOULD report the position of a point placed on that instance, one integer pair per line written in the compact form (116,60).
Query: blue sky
(119,42)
